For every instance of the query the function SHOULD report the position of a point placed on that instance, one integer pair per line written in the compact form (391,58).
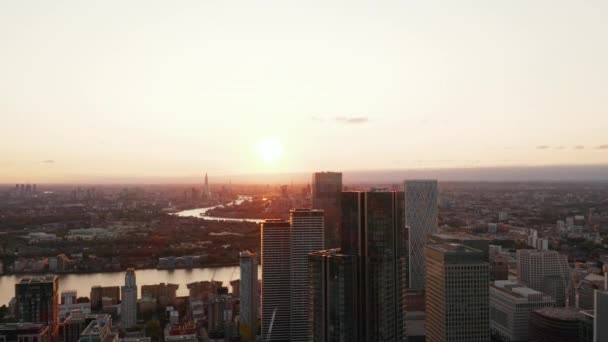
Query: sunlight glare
(270,149)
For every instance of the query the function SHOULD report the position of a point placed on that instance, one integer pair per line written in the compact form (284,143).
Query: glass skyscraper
(326,194)
(360,289)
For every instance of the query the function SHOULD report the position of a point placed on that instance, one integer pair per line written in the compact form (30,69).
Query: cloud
(602,147)
(542,147)
(351,119)
(579,147)
(48,161)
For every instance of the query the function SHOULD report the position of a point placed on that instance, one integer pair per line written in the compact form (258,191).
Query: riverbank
(124,269)
(82,283)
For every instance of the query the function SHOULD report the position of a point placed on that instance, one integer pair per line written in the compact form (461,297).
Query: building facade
(275,250)
(457,294)
(545,271)
(326,195)
(333,296)
(128,310)
(37,301)
(248,324)
(99,292)
(420,219)
(372,233)
(306,235)
(510,307)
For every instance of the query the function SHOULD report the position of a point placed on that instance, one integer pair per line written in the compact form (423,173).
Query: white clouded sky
(170,88)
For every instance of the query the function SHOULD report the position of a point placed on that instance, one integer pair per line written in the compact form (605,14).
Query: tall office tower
(248,296)
(306,237)
(457,294)
(510,307)
(275,250)
(38,301)
(421,220)
(128,309)
(326,194)
(206,190)
(332,296)
(372,232)
(600,318)
(544,271)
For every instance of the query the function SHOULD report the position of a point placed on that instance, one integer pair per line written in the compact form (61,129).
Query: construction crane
(271,324)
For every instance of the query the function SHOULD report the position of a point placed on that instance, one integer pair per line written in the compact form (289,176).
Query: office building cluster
(389,274)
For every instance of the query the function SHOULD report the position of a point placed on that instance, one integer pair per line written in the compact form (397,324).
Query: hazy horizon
(552,173)
(159,89)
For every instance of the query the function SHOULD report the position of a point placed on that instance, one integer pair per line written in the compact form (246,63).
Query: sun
(269,149)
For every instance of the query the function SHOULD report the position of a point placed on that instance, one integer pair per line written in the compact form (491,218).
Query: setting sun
(269,149)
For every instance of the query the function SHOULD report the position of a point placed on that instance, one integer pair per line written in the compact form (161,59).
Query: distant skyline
(114,90)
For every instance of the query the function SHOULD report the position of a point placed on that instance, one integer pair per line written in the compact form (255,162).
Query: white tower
(249,296)
(421,219)
(129,300)
(306,237)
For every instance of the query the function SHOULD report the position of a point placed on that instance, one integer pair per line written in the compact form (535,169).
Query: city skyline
(157,89)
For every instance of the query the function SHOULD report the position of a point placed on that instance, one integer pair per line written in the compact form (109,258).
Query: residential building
(420,220)
(100,292)
(25,332)
(248,318)
(38,301)
(275,251)
(545,271)
(306,236)
(128,311)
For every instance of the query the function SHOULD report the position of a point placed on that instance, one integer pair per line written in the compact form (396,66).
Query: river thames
(84,281)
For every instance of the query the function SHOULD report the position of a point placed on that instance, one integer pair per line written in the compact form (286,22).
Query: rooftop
(38,279)
(564,314)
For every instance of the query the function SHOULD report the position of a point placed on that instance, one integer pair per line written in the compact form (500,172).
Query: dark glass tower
(38,301)
(361,288)
(326,195)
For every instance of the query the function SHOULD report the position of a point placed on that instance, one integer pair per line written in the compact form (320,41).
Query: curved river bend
(84,281)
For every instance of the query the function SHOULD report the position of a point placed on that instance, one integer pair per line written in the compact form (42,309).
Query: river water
(201,212)
(83,282)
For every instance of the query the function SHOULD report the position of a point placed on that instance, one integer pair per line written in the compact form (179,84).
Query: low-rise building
(510,307)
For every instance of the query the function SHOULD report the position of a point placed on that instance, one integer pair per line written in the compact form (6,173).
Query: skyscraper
(275,247)
(420,221)
(128,309)
(372,232)
(38,301)
(306,237)
(248,296)
(206,190)
(544,271)
(326,194)
(600,317)
(333,296)
(457,294)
